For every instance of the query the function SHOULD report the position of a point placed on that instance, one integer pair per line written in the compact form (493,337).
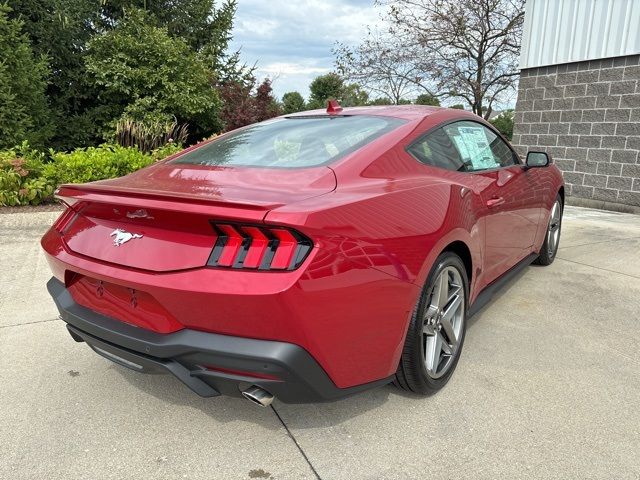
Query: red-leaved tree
(244,103)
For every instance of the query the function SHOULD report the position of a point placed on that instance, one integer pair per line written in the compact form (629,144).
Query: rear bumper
(292,374)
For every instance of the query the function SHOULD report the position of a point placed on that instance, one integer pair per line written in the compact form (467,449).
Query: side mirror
(537,159)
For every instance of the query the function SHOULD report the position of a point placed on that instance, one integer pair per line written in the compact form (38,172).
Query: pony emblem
(123,237)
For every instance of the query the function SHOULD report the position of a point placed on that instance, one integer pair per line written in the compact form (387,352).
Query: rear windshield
(292,142)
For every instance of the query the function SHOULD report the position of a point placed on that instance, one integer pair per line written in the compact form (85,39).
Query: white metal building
(579,95)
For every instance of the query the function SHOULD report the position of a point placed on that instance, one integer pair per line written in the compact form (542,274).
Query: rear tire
(437,328)
(549,247)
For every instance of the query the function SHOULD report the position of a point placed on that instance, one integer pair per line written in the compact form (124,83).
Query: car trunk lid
(159,219)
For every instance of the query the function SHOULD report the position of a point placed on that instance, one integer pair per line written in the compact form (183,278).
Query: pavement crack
(292,437)
(28,323)
(599,268)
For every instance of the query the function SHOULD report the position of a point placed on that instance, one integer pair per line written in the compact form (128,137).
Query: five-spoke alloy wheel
(436,332)
(552,238)
(443,322)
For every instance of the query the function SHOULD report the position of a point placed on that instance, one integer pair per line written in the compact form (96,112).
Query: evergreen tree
(292,102)
(24,113)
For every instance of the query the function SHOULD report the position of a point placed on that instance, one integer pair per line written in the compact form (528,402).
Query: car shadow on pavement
(496,296)
(316,415)
(171,391)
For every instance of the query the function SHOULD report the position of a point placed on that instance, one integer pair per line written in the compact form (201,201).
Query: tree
(381,101)
(202,24)
(62,29)
(59,31)
(241,106)
(237,104)
(426,99)
(504,123)
(24,113)
(381,65)
(292,102)
(353,95)
(325,87)
(266,105)
(147,75)
(457,106)
(467,48)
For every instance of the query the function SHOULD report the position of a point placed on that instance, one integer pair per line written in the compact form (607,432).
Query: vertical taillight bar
(286,249)
(231,246)
(258,247)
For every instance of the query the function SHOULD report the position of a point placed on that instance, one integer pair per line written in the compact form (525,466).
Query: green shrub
(165,151)
(94,163)
(21,181)
(27,178)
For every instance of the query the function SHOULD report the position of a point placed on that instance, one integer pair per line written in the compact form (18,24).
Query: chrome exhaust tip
(258,395)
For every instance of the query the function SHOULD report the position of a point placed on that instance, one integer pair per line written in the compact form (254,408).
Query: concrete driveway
(548,387)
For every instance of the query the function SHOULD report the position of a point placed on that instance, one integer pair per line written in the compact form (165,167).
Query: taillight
(258,247)
(64,220)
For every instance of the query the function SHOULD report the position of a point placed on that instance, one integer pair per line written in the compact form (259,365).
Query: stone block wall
(586,115)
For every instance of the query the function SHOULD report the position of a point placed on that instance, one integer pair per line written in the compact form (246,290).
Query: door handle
(495,201)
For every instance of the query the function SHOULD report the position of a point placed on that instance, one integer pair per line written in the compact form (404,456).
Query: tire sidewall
(552,256)
(544,258)
(447,259)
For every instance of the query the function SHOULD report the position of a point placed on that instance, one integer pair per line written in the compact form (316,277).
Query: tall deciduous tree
(245,103)
(353,95)
(467,48)
(205,26)
(61,30)
(266,105)
(24,113)
(382,66)
(332,86)
(145,74)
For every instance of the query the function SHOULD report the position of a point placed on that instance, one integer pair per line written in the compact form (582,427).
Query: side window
(437,149)
(479,148)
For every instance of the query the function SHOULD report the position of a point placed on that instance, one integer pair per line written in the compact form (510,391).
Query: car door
(510,211)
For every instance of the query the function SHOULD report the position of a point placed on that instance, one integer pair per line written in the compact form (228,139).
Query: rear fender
(455,235)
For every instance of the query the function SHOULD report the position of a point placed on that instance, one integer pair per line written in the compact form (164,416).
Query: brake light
(258,247)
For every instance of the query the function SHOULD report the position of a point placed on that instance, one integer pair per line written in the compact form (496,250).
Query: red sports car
(307,257)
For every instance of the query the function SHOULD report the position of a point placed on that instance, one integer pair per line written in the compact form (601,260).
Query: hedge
(29,177)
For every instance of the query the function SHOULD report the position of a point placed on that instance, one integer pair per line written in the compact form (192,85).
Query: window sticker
(474,148)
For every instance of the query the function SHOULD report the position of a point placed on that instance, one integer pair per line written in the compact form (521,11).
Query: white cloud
(292,40)
(283,69)
(253,26)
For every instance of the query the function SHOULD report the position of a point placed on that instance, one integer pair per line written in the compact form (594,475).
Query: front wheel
(437,328)
(552,237)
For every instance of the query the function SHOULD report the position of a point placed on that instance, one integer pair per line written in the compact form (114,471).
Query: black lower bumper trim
(293,376)
(143,363)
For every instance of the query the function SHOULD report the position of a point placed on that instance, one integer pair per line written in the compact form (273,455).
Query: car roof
(406,112)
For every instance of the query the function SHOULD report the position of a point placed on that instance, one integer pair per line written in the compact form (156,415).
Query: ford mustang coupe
(307,257)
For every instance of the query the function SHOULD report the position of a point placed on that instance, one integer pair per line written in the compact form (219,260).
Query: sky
(291,40)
